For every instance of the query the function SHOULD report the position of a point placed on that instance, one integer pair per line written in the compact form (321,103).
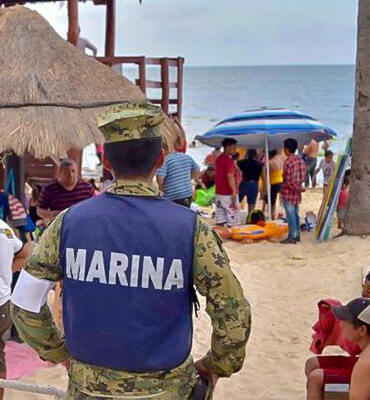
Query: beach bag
(205,197)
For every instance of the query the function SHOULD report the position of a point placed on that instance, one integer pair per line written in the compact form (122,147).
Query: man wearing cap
(355,318)
(356,324)
(128,274)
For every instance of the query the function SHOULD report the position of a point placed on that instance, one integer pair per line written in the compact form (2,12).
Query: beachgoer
(327,165)
(366,286)
(207,178)
(13,256)
(294,175)
(175,177)
(227,210)
(328,369)
(66,191)
(85,44)
(99,152)
(34,202)
(212,157)
(310,152)
(343,203)
(355,317)
(251,169)
(326,145)
(276,165)
(128,303)
(238,172)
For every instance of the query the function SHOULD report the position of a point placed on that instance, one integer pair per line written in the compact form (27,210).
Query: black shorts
(275,190)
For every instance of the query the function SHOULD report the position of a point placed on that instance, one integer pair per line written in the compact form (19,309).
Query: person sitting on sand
(324,369)
(327,165)
(343,203)
(207,178)
(355,318)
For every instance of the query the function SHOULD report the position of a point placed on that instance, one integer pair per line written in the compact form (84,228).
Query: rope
(28,387)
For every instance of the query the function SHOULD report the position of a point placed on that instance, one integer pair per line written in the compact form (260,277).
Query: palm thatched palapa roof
(50,92)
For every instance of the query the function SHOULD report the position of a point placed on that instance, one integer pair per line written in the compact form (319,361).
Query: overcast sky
(224,32)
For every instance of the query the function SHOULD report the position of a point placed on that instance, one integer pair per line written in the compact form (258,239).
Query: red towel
(328,330)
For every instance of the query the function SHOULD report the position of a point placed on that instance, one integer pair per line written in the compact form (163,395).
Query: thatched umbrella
(50,92)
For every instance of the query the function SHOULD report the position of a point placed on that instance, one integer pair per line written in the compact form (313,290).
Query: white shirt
(327,170)
(9,246)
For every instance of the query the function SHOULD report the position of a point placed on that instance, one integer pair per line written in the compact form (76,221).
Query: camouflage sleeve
(226,305)
(38,329)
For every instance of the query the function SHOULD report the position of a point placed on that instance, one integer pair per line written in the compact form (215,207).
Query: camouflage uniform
(213,278)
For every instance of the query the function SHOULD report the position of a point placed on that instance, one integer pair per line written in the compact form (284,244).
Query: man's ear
(161,159)
(106,163)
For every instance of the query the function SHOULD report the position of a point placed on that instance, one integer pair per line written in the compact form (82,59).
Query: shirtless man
(356,324)
(311,151)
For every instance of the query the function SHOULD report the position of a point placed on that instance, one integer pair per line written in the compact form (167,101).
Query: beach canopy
(50,92)
(267,128)
(251,128)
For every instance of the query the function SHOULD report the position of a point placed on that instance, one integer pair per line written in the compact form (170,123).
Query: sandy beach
(283,292)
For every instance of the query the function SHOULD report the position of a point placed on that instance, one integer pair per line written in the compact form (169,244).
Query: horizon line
(269,65)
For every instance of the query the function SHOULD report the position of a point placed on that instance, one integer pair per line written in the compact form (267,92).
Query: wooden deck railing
(165,84)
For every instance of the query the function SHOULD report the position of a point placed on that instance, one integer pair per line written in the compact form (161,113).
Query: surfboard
(326,222)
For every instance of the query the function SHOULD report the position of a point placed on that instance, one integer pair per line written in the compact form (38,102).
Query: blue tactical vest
(127,273)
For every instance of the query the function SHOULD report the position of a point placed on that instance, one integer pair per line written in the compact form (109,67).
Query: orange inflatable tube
(272,229)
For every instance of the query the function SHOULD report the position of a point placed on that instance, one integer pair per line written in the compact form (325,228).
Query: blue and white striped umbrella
(267,128)
(252,128)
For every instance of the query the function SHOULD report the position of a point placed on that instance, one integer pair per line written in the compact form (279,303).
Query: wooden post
(73,28)
(180,77)
(16,163)
(110,29)
(165,75)
(76,155)
(142,75)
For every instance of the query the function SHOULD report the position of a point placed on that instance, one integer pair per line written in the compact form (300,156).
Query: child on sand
(356,323)
(343,203)
(327,165)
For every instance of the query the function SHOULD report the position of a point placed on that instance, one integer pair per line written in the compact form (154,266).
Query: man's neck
(365,342)
(68,187)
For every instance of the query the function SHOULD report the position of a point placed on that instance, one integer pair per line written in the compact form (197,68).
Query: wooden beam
(142,76)
(76,155)
(73,28)
(180,78)
(110,29)
(165,75)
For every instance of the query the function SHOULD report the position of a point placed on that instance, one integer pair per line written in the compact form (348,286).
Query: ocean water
(211,93)
(324,92)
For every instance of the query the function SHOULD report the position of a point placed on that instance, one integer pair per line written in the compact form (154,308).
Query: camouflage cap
(130,121)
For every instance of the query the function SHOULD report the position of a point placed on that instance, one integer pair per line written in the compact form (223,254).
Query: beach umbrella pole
(268,185)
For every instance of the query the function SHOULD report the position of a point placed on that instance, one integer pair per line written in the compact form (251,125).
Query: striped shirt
(177,171)
(56,197)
